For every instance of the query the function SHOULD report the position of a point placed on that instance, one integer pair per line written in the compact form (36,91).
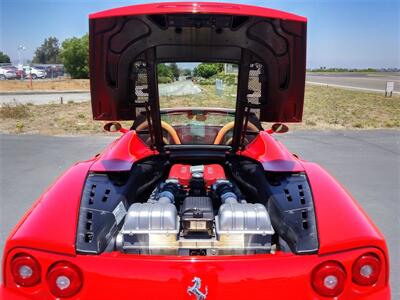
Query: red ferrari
(195,200)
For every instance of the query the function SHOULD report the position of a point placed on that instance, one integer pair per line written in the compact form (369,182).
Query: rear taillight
(25,270)
(366,269)
(328,279)
(64,279)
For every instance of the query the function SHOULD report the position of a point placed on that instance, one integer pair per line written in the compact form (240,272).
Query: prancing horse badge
(195,289)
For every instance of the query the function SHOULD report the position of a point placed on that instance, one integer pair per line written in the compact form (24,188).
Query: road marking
(348,87)
(383,79)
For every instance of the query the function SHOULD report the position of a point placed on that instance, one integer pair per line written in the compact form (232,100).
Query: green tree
(206,70)
(4,58)
(187,72)
(175,70)
(164,73)
(48,52)
(75,56)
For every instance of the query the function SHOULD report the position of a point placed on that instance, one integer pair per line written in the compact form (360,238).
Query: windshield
(197,102)
(198,126)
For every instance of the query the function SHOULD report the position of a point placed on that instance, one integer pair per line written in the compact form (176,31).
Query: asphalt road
(366,162)
(356,81)
(179,88)
(44,98)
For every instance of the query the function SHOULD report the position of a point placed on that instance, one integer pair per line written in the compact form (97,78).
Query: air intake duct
(168,191)
(225,191)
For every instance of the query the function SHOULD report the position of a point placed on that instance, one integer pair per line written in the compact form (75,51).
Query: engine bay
(196,211)
(183,207)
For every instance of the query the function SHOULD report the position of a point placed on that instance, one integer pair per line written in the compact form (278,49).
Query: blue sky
(354,34)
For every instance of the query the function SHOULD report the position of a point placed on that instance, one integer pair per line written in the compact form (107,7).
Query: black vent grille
(96,218)
(291,209)
(140,91)
(255,80)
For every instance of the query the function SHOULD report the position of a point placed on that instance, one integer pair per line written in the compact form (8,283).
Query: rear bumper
(8,294)
(116,276)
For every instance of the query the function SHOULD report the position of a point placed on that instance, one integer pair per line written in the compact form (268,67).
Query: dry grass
(325,108)
(46,85)
(55,119)
(328,107)
(14,111)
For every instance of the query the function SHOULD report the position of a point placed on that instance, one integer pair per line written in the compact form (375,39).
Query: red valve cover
(183,173)
(212,173)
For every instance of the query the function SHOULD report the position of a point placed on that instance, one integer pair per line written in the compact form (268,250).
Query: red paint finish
(51,225)
(51,222)
(195,8)
(122,153)
(341,222)
(342,225)
(272,154)
(278,276)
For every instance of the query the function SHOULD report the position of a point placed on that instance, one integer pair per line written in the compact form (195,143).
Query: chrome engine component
(245,218)
(244,226)
(151,217)
(151,225)
(155,227)
(241,225)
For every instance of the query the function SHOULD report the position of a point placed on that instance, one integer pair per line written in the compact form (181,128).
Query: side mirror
(278,128)
(114,127)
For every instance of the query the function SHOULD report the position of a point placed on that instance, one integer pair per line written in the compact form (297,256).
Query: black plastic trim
(291,209)
(97,223)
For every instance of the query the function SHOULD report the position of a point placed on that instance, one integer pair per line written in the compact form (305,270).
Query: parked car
(42,68)
(7,72)
(19,73)
(196,202)
(52,71)
(34,72)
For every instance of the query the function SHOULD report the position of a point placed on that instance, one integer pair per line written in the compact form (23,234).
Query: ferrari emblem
(195,289)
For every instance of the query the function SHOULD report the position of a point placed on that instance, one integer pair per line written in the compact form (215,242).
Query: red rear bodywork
(48,233)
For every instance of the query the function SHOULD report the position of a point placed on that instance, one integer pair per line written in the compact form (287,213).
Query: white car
(34,72)
(7,73)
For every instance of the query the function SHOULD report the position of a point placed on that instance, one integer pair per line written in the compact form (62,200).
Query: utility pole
(20,65)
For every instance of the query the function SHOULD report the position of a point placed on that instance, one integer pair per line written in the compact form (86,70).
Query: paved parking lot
(366,162)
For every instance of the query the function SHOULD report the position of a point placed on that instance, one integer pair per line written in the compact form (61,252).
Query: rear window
(197,84)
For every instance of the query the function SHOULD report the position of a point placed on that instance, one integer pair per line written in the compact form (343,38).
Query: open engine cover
(120,39)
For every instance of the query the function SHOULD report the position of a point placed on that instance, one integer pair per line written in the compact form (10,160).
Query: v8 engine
(196,211)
